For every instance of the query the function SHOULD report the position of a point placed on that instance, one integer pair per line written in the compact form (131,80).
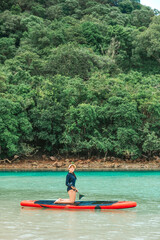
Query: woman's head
(71,168)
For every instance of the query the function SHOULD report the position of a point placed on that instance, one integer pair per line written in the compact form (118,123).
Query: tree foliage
(79,77)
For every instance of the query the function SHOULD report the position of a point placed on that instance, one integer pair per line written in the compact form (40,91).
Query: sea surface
(142,222)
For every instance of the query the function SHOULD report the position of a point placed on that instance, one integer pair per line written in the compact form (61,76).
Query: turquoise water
(142,222)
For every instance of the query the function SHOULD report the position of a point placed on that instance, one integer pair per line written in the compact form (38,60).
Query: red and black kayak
(79,204)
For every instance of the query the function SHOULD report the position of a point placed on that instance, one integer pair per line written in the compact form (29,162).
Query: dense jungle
(79,78)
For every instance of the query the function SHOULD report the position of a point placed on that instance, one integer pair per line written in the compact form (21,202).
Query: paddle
(80,195)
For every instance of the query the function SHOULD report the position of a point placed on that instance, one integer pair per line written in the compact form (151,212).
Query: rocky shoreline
(45,163)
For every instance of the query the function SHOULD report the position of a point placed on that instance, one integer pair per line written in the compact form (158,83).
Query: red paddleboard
(79,204)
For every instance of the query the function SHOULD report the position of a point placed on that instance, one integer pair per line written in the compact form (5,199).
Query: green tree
(142,17)
(70,6)
(147,43)
(26,61)
(15,129)
(81,133)
(55,12)
(127,143)
(126,6)
(92,35)
(53,98)
(69,60)
(2,81)
(6,5)
(7,48)
(151,144)
(38,10)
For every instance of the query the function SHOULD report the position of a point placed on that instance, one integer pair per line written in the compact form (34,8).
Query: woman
(70,183)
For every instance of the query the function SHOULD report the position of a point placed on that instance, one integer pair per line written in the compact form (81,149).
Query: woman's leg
(72,198)
(72,195)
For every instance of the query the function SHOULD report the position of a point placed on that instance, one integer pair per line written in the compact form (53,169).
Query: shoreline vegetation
(45,163)
(79,78)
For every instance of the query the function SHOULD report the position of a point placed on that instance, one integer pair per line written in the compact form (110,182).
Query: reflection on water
(142,222)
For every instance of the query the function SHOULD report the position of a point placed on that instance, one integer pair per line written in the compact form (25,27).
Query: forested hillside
(79,77)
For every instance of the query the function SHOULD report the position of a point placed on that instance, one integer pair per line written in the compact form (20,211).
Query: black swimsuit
(70,181)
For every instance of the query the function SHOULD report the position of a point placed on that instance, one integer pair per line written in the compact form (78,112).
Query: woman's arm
(68,183)
(74,188)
